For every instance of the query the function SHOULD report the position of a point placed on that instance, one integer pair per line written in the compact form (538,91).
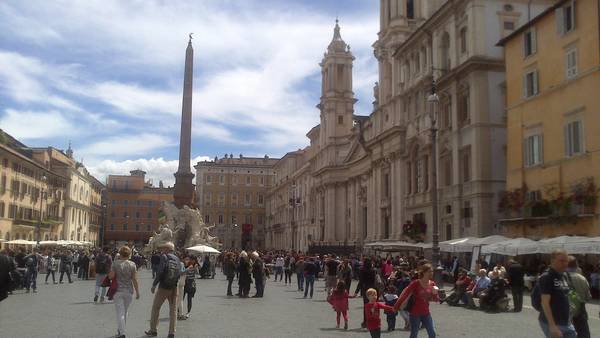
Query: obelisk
(184,188)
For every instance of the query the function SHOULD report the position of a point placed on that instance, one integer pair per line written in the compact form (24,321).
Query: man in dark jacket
(258,272)
(310,271)
(515,276)
(366,281)
(7,265)
(229,271)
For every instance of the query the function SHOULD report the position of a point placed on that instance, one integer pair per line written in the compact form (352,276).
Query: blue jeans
(415,325)
(568,331)
(310,282)
(300,281)
(31,278)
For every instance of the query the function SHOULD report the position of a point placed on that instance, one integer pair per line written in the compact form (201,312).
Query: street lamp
(433,100)
(38,233)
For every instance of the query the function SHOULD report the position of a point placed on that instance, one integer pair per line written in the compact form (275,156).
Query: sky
(107,76)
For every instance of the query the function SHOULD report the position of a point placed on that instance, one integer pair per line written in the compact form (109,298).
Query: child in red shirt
(372,313)
(339,301)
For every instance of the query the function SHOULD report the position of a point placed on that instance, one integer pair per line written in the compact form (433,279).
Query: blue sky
(107,75)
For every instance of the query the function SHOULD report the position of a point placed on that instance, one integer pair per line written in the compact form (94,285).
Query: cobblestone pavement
(67,310)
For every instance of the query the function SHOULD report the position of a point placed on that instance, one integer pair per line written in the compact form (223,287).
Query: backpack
(29,262)
(575,301)
(102,264)
(171,274)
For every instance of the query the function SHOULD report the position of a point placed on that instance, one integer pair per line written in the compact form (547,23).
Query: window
(530,84)
(261,199)
(207,199)
(206,219)
(233,219)
(247,199)
(137,214)
(1,209)
(137,227)
(463,40)
(464,117)
(571,63)
(565,18)
(410,9)
(220,219)
(148,227)
(112,227)
(573,138)
(446,113)
(208,179)
(234,199)
(467,213)
(248,180)
(262,180)
(420,175)
(221,179)
(340,119)
(234,179)
(124,213)
(509,25)
(3,184)
(466,164)
(386,185)
(529,43)
(125,227)
(248,219)
(222,199)
(446,170)
(409,178)
(149,215)
(532,150)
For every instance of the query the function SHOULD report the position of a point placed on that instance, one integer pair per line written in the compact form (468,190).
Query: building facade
(82,200)
(133,208)
(553,76)
(231,194)
(31,194)
(370,175)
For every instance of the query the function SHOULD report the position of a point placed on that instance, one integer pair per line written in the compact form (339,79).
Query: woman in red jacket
(423,290)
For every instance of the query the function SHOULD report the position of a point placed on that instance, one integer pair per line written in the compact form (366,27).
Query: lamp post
(102,226)
(38,233)
(434,99)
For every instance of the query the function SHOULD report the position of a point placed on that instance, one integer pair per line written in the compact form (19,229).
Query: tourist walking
(7,266)
(287,269)
(51,267)
(279,263)
(423,290)
(310,271)
(84,266)
(103,263)
(180,285)
(66,261)
(125,273)
(555,318)
(339,301)
(167,277)
(344,273)
(373,314)
(258,272)
(244,278)
(331,267)
(31,263)
(579,284)
(229,271)
(299,270)
(189,288)
(366,280)
(515,276)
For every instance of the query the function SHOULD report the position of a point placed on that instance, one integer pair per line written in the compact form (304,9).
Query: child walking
(372,313)
(390,298)
(339,301)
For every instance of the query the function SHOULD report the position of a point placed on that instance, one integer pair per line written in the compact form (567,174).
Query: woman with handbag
(123,275)
(418,294)
(189,287)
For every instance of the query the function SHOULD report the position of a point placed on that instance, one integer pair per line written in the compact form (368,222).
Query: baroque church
(368,178)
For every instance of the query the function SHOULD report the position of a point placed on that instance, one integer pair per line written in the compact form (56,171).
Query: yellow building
(553,123)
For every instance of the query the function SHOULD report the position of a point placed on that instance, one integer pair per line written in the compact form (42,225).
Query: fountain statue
(184,227)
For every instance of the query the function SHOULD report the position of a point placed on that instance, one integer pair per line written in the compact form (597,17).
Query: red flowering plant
(585,194)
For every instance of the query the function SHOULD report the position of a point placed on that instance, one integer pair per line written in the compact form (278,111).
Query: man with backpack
(167,278)
(103,263)
(579,295)
(31,264)
(550,297)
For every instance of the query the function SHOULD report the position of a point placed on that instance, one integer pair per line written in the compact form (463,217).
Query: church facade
(368,178)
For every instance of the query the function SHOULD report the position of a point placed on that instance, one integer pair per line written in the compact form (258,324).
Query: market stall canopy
(203,249)
(21,242)
(48,243)
(572,244)
(512,247)
(470,243)
(456,245)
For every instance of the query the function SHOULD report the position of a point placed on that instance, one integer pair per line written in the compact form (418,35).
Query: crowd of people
(400,285)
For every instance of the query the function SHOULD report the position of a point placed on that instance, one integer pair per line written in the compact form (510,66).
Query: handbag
(105,282)
(112,289)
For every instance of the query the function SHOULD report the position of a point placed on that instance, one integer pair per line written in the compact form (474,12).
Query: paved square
(67,310)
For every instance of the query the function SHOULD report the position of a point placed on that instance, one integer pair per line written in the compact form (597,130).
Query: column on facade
(394,201)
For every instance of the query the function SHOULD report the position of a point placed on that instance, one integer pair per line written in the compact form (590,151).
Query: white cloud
(128,145)
(158,169)
(31,125)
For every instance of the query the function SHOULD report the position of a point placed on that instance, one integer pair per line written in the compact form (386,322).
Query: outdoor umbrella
(512,247)
(470,243)
(203,249)
(453,245)
(48,243)
(579,245)
(561,242)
